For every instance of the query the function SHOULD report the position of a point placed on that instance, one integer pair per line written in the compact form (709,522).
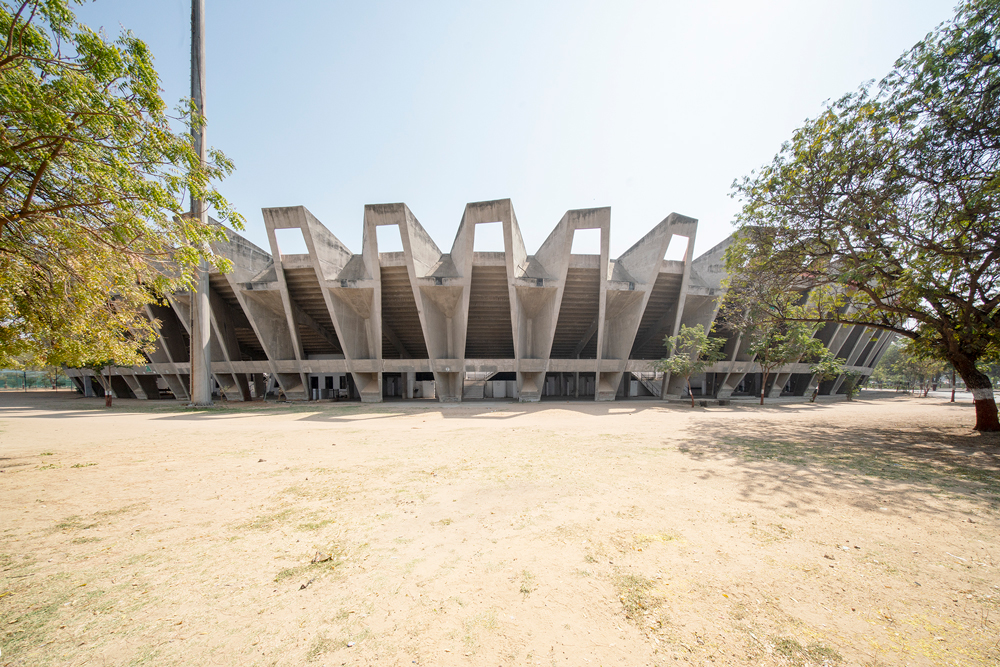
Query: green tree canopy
(774,342)
(885,207)
(903,364)
(690,352)
(827,367)
(92,185)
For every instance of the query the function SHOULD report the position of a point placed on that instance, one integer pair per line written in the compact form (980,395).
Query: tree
(885,207)
(827,367)
(775,342)
(903,364)
(889,369)
(992,370)
(921,370)
(690,352)
(850,384)
(92,182)
(52,374)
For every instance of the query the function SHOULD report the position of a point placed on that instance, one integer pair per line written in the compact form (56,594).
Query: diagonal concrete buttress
(326,255)
(181,303)
(352,292)
(438,292)
(702,295)
(353,302)
(629,283)
(254,283)
(170,349)
(236,387)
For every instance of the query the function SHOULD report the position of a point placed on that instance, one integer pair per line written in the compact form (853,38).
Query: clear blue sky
(646,107)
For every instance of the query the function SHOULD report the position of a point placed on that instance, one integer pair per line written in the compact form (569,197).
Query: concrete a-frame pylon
(438,291)
(253,281)
(630,281)
(537,290)
(349,303)
(460,261)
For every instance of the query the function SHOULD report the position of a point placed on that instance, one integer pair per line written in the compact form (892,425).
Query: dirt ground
(631,533)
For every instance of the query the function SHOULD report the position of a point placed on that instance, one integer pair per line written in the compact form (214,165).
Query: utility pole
(201,317)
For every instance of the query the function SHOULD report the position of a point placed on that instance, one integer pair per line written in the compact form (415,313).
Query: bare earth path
(497,534)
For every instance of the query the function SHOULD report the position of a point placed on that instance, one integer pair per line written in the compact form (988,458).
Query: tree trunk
(952,385)
(690,393)
(107,390)
(763,386)
(982,393)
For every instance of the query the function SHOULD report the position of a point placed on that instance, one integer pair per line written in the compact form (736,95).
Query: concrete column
(201,343)
(201,325)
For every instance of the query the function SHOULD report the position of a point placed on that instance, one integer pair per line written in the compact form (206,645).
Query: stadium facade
(461,325)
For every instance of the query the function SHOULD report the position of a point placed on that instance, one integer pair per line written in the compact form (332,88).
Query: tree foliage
(774,342)
(904,367)
(92,189)
(827,367)
(885,207)
(690,352)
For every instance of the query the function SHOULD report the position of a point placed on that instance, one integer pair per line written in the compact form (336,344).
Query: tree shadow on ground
(9,462)
(875,468)
(68,405)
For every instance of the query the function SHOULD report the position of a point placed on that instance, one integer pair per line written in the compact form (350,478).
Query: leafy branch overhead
(885,209)
(92,189)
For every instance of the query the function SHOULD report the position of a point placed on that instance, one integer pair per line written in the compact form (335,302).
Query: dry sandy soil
(630,533)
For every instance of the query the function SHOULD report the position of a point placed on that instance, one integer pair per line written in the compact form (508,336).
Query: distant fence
(11,379)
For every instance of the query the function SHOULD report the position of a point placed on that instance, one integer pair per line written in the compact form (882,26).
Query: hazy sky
(646,107)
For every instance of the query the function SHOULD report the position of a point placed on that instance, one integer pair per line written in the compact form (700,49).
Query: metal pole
(201,325)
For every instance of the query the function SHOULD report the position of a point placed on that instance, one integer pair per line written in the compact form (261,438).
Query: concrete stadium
(463,325)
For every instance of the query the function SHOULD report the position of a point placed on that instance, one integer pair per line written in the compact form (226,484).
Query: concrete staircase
(652,385)
(474,390)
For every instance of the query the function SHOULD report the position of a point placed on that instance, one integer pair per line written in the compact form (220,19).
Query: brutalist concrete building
(461,325)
